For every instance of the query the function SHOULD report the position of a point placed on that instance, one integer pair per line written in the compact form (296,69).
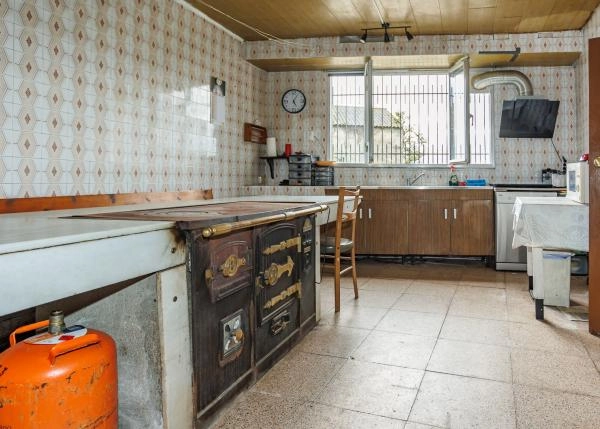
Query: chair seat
(328,245)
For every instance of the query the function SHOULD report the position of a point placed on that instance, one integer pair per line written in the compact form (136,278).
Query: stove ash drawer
(280,327)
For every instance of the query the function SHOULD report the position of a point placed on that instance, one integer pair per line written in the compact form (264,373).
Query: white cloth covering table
(549,223)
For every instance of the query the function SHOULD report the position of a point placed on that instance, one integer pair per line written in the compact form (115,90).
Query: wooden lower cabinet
(435,222)
(451,227)
(428,227)
(472,231)
(381,228)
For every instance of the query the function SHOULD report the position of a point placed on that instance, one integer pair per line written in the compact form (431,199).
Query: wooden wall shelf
(255,133)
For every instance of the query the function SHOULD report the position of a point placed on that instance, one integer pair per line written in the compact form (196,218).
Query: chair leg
(354,279)
(337,281)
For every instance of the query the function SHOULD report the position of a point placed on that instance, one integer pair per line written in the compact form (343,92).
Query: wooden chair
(337,247)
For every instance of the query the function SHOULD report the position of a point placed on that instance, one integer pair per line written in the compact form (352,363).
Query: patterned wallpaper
(113,96)
(590,31)
(515,160)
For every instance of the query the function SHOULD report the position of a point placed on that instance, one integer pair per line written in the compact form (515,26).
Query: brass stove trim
(226,228)
(291,242)
(295,288)
(275,271)
(232,264)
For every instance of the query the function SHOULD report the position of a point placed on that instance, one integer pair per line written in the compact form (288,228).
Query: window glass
(412,120)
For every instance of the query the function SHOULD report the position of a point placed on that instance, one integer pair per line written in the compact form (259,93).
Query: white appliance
(508,258)
(578,181)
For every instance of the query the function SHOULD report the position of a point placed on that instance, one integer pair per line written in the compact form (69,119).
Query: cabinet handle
(454,213)
(360,213)
(369,212)
(445,213)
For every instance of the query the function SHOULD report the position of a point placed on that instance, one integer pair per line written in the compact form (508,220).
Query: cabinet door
(385,228)
(472,230)
(429,227)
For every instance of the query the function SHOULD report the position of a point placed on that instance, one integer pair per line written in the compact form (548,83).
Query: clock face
(293,101)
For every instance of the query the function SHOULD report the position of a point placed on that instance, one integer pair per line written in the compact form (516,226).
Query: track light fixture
(386,36)
(363,38)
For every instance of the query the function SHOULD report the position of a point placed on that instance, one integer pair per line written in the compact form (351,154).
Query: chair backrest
(344,215)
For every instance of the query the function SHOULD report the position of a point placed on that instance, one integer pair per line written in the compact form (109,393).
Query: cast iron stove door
(277,286)
(221,286)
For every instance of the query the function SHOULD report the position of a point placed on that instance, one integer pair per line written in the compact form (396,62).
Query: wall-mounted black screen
(528,118)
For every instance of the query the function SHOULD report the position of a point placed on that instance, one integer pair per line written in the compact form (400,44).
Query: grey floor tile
(476,330)
(318,416)
(486,295)
(411,351)
(375,299)
(288,377)
(423,287)
(591,343)
(382,390)
(452,401)
(256,410)
(546,409)
(411,322)
(423,303)
(333,340)
(479,309)
(354,316)
(345,282)
(555,371)
(389,286)
(544,336)
(516,281)
(471,359)
(413,425)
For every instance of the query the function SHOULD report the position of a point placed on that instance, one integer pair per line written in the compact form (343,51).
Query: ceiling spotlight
(408,34)
(386,36)
(363,38)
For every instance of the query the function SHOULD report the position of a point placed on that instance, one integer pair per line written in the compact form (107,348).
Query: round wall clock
(293,101)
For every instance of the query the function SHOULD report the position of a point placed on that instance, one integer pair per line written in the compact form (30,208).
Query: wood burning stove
(253,297)
(251,275)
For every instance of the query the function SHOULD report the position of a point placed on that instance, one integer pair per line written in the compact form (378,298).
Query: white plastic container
(556,277)
(271,146)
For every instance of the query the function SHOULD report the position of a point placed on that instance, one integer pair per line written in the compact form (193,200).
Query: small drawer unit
(300,169)
(322,176)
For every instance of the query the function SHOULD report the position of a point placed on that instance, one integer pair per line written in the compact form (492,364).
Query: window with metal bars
(407,119)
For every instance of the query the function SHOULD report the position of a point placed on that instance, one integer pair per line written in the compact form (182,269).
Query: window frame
(368,74)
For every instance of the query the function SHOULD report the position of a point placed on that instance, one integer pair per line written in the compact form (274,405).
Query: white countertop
(34,230)
(45,256)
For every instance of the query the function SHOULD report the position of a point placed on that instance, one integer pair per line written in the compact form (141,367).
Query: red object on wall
(47,382)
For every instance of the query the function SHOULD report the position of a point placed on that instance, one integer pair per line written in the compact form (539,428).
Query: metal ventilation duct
(504,77)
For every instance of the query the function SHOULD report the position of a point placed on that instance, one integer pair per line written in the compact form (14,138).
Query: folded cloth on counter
(550,223)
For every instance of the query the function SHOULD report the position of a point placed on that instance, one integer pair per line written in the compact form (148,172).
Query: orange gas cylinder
(63,378)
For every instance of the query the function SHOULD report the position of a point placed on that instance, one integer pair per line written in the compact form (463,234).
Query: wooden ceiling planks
(321,18)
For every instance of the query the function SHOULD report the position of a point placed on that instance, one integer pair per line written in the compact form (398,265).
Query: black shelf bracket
(270,161)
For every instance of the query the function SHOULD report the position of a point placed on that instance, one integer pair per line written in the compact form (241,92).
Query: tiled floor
(432,345)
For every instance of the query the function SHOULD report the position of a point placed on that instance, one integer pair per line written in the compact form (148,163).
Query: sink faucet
(411,181)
